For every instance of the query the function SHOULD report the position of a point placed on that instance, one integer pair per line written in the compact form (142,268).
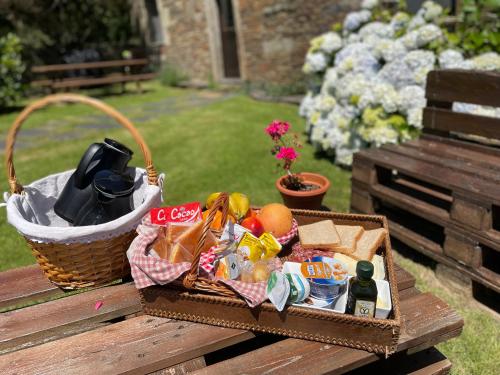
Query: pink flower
(277,128)
(287,153)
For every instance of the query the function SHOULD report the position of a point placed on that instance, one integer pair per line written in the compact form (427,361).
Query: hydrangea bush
(370,78)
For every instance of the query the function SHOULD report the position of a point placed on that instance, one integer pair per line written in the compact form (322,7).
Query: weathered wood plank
(432,173)
(452,149)
(67,316)
(424,316)
(88,65)
(182,368)
(67,83)
(465,86)
(139,345)
(25,284)
(465,165)
(445,120)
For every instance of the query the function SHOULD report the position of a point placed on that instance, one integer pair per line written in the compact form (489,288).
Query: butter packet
(250,247)
(271,245)
(233,232)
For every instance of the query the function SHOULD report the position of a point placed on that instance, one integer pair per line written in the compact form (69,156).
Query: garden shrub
(11,70)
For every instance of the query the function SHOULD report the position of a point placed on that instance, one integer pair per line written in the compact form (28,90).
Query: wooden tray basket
(204,301)
(79,265)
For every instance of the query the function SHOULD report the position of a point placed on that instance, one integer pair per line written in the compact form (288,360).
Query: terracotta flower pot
(310,199)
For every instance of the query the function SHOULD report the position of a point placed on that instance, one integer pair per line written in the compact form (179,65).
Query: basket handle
(222,202)
(16,187)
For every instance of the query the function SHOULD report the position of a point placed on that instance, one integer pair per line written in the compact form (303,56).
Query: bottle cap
(364,269)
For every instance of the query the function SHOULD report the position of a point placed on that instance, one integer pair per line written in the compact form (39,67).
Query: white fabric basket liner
(32,212)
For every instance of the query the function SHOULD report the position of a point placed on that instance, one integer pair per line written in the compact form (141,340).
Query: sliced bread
(185,245)
(320,235)
(368,244)
(349,236)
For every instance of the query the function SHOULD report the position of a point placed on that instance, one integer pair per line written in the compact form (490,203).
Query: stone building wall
(275,35)
(187,37)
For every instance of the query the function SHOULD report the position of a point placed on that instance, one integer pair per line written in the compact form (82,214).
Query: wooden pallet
(441,193)
(69,335)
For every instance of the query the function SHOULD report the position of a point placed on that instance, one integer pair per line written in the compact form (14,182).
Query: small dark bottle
(362,297)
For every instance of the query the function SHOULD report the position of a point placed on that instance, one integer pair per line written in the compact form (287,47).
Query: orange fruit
(276,219)
(217,222)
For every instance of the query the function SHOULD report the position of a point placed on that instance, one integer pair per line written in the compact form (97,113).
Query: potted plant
(299,190)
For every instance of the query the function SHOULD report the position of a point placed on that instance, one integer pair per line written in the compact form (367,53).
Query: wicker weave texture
(79,265)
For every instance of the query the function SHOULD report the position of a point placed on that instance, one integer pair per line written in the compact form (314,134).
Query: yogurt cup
(328,289)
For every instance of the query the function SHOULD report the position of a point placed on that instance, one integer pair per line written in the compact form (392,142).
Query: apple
(254,225)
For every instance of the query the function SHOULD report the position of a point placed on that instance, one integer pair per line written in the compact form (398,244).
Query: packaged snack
(250,247)
(233,232)
(278,289)
(327,277)
(185,213)
(228,268)
(271,245)
(184,240)
(299,288)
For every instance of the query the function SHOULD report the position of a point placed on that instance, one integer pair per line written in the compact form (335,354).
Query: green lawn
(204,142)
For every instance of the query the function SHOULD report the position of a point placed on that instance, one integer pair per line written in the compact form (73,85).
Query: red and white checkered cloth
(148,269)
(293,232)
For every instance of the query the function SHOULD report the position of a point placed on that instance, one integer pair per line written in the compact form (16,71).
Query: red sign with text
(185,213)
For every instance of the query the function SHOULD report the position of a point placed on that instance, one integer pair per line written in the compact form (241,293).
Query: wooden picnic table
(71,336)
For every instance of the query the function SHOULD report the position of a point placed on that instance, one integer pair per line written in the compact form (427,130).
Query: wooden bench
(58,77)
(70,336)
(441,192)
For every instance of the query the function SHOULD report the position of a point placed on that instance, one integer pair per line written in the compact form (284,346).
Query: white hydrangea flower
(352,84)
(410,40)
(380,29)
(411,97)
(420,62)
(427,34)
(355,20)
(480,110)
(324,103)
(306,104)
(417,21)
(414,117)
(317,133)
(431,11)
(397,73)
(356,58)
(386,95)
(450,59)
(487,61)
(379,135)
(369,4)
(315,62)
(419,58)
(329,81)
(352,38)
(389,50)
(331,42)
(399,21)
(341,117)
(395,50)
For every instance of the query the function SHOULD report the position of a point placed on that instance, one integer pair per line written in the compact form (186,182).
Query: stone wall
(275,35)
(187,37)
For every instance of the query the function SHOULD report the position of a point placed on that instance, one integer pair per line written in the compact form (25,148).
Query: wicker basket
(79,265)
(201,300)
